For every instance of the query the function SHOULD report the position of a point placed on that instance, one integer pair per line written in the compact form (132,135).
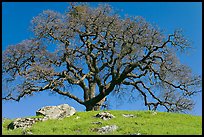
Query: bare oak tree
(100,52)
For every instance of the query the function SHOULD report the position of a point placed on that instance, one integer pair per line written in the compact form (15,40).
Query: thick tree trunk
(95,106)
(92,108)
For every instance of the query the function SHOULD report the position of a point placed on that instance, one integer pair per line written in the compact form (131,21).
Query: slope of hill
(139,122)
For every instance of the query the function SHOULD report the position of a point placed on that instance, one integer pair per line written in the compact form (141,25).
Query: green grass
(144,122)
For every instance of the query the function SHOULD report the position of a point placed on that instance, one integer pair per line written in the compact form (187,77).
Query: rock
(154,113)
(44,118)
(105,115)
(56,112)
(26,132)
(128,115)
(49,112)
(106,129)
(23,123)
(136,134)
(77,117)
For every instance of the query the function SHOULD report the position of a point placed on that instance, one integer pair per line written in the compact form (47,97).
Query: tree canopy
(100,52)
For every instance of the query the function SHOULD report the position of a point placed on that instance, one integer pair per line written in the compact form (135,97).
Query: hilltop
(139,123)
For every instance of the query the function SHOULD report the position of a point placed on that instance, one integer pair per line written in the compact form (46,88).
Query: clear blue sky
(167,15)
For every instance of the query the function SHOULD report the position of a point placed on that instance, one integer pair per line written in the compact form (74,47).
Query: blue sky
(169,16)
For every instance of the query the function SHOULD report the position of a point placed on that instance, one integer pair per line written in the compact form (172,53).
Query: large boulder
(105,115)
(23,123)
(56,112)
(105,129)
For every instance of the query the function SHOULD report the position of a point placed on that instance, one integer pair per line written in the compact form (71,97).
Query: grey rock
(106,129)
(56,112)
(154,113)
(77,117)
(128,115)
(105,115)
(26,132)
(23,123)
(49,112)
(136,134)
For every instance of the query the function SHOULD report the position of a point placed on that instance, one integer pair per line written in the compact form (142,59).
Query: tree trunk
(96,106)
(91,94)
(92,108)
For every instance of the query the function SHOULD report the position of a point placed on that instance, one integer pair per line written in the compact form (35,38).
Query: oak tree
(100,52)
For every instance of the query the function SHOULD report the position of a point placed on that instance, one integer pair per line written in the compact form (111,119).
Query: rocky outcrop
(23,122)
(49,112)
(26,132)
(136,134)
(154,113)
(105,115)
(56,112)
(105,129)
(128,115)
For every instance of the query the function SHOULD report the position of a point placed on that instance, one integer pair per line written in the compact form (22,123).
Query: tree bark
(92,105)
(96,106)
(90,95)
(91,91)
(92,108)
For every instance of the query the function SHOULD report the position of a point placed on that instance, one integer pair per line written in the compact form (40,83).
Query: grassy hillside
(144,122)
